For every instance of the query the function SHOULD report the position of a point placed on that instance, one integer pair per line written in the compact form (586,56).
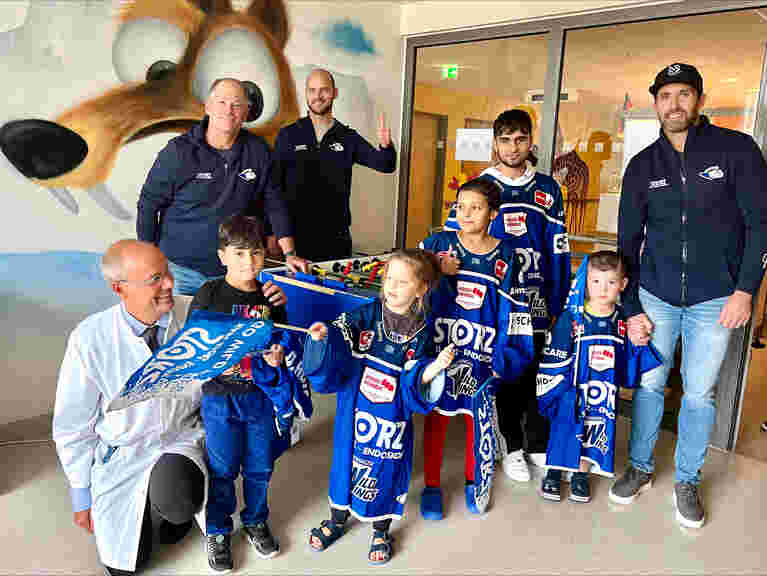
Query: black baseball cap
(678,73)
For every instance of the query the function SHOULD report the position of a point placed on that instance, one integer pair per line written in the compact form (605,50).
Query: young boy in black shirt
(238,416)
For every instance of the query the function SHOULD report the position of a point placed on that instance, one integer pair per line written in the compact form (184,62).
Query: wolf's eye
(244,55)
(147,49)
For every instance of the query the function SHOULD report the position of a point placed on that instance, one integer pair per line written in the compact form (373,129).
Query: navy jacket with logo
(316,177)
(705,214)
(191,189)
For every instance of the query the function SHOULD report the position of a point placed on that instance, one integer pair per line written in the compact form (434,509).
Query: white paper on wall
(475,144)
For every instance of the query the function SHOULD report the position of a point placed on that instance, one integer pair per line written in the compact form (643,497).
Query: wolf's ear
(273,15)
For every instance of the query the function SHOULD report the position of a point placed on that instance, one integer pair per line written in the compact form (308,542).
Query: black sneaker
(580,491)
(689,509)
(551,487)
(260,537)
(630,485)
(220,552)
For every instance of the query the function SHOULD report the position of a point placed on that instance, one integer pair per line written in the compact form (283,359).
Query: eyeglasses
(153,280)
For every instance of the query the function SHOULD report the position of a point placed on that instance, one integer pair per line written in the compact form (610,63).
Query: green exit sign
(449,72)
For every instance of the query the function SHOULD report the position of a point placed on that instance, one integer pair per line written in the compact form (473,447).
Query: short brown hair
(488,188)
(605,260)
(241,231)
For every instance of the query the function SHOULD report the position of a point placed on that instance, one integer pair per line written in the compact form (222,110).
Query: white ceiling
(614,61)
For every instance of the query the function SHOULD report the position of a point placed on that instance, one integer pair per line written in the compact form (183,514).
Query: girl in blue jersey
(379,361)
(481,308)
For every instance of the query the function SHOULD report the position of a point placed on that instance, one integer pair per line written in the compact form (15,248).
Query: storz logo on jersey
(544,199)
(515,223)
(561,243)
(520,324)
(377,386)
(602,357)
(464,333)
(366,339)
(595,434)
(461,379)
(364,486)
(712,173)
(500,269)
(470,295)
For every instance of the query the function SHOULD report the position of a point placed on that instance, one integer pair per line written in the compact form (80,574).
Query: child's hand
(275,355)
(318,331)
(449,264)
(446,357)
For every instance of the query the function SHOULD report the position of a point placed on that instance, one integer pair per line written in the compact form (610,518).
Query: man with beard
(695,200)
(531,219)
(316,155)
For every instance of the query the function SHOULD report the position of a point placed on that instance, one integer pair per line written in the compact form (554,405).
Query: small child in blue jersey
(587,358)
(481,308)
(379,361)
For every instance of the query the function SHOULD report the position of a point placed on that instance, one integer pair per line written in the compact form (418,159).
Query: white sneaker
(515,466)
(538,459)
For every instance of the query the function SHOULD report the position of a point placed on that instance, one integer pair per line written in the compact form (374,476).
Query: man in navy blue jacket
(203,177)
(316,155)
(693,228)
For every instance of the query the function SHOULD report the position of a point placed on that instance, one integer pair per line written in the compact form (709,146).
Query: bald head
(320,93)
(123,255)
(322,75)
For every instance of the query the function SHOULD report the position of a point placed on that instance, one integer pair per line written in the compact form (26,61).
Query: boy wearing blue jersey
(531,219)
(588,357)
(481,308)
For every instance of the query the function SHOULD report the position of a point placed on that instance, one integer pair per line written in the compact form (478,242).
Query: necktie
(150,337)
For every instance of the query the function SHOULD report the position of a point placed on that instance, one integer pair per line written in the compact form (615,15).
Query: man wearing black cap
(695,199)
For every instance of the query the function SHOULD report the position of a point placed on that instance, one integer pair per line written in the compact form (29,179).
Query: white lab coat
(101,355)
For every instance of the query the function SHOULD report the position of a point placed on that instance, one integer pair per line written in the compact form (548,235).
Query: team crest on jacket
(602,357)
(471,295)
(337,147)
(248,174)
(366,339)
(515,223)
(377,386)
(500,269)
(544,199)
(712,173)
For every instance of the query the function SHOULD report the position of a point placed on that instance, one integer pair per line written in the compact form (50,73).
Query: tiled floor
(521,533)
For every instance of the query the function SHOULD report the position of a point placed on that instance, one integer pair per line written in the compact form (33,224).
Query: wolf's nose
(41,149)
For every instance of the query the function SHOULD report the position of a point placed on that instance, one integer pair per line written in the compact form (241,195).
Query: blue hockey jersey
(483,311)
(531,217)
(585,361)
(377,381)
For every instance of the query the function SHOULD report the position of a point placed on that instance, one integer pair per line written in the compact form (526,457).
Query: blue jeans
(186,280)
(239,433)
(704,344)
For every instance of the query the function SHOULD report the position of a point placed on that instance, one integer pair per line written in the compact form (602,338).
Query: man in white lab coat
(144,464)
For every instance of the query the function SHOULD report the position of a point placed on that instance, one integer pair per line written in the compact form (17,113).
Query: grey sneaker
(260,537)
(689,509)
(630,485)
(219,548)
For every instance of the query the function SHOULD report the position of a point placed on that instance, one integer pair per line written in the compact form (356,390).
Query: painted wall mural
(98,88)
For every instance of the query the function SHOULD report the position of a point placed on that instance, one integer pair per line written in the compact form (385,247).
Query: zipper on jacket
(684,233)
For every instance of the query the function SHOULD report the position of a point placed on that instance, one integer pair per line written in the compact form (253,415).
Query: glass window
(465,86)
(608,115)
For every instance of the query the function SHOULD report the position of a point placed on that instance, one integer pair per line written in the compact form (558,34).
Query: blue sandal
(336,531)
(384,546)
(431,503)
